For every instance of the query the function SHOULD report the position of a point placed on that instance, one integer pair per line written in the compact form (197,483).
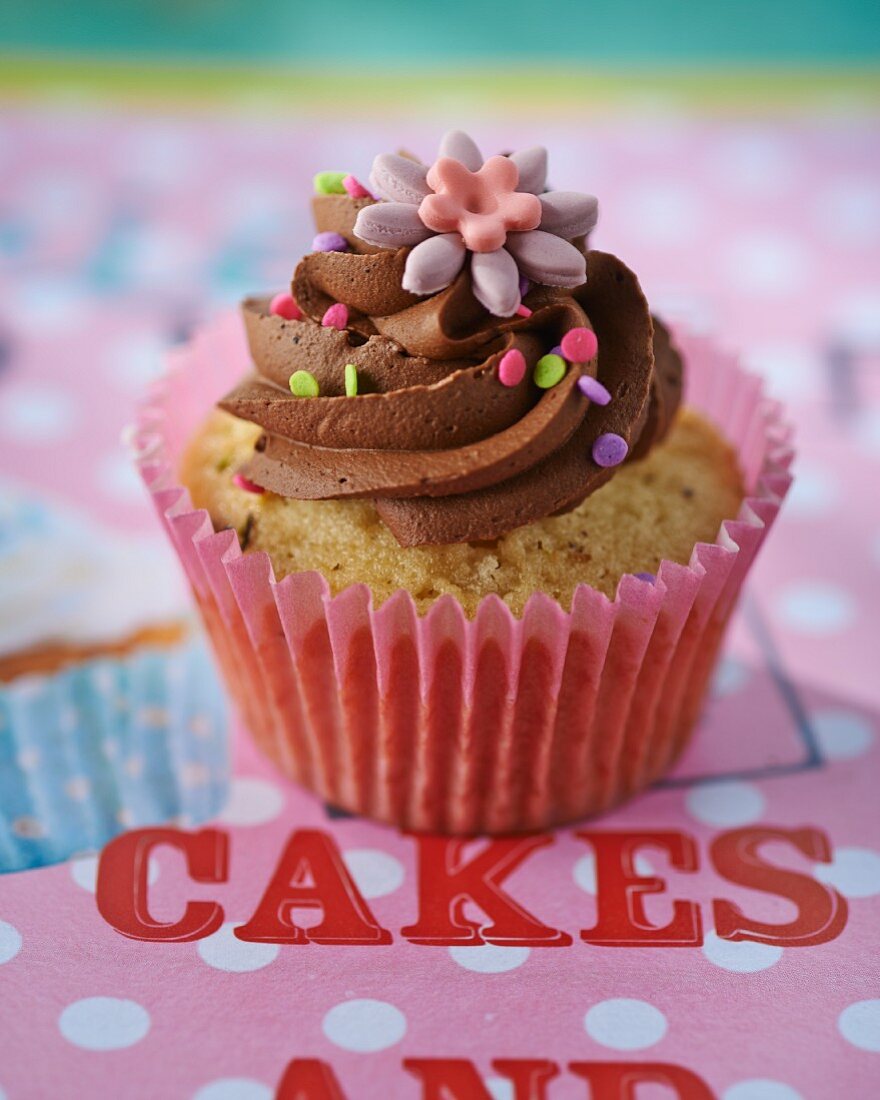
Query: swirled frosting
(447,452)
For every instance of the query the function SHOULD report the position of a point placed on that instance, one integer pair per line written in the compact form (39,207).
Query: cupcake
(465,522)
(110,713)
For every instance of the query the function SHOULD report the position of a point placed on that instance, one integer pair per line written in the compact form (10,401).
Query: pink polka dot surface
(760,851)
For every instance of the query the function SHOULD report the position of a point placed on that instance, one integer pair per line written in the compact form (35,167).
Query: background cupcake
(110,716)
(495,419)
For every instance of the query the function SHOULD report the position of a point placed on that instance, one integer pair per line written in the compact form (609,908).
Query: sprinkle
(355,188)
(549,371)
(593,388)
(351,380)
(241,482)
(512,368)
(330,183)
(649,578)
(329,242)
(523,311)
(557,350)
(303,384)
(579,345)
(524,286)
(284,305)
(336,316)
(610,449)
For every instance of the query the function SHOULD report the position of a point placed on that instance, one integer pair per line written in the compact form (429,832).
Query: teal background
(435,33)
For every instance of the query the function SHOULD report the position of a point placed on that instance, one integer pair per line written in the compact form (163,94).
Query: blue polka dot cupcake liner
(107,745)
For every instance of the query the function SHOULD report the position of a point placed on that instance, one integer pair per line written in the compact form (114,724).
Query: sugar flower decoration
(496,209)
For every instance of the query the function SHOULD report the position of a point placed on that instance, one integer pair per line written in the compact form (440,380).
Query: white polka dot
(791,371)
(10,942)
(104,1023)
(766,263)
(28,759)
(364,1026)
(842,734)
(489,958)
(84,872)
(855,872)
(584,870)
(500,1088)
(752,163)
(375,873)
(731,676)
(78,788)
(224,951)
(32,411)
(815,492)
(725,804)
(815,608)
(234,1088)
(252,802)
(623,1023)
(661,211)
(848,211)
(742,957)
(859,1024)
(761,1088)
(117,477)
(855,317)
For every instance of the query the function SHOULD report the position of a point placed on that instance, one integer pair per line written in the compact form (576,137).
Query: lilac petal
(547,259)
(390,225)
(433,264)
(460,147)
(532,165)
(496,282)
(568,214)
(399,179)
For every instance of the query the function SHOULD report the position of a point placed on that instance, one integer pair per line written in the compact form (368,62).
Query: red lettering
(618,1080)
(309,1079)
(447,881)
(122,891)
(311,875)
(822,912)
(457,1079)
(620,891)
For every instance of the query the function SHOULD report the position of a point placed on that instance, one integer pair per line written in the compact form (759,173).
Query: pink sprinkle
(579,345)
(523,311)
(355,188)
(241,482)
(284,305)
(512,368)
(336,316)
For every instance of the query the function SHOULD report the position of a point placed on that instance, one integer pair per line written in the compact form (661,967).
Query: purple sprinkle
(557,351)
(524,285)
(609,449)
(329,242)
(592,388)
(649,577)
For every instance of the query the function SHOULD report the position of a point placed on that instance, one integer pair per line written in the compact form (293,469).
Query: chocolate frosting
(448,453)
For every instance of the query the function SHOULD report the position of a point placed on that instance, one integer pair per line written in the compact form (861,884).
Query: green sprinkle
(303,384)
(330,183)
(351,380)
(549,371)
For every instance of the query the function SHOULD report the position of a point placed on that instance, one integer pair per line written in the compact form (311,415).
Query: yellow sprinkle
(330,183)
(549,371)
(351,380)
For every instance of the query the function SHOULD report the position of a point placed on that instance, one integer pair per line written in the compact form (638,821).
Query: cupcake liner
(109,744)
(441,723)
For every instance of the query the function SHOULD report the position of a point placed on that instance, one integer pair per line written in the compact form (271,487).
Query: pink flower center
(482,206)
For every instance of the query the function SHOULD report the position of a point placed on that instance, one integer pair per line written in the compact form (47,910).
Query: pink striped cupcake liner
(439,722)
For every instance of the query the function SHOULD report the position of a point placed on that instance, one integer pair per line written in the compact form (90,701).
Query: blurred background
(156,163)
